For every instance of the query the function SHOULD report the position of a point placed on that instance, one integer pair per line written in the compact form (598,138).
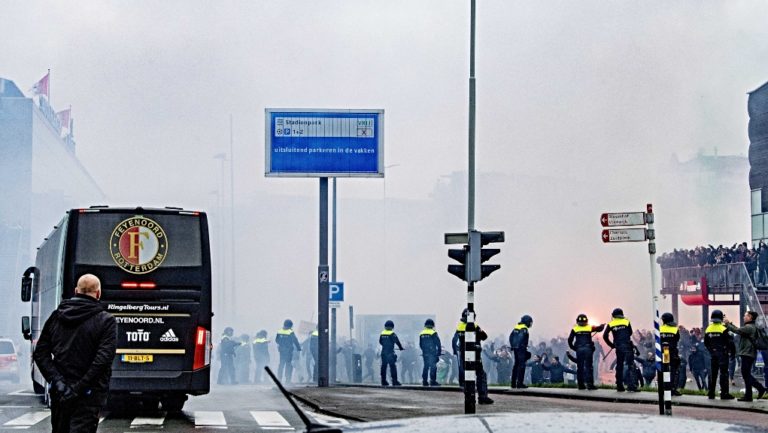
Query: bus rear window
(138,243)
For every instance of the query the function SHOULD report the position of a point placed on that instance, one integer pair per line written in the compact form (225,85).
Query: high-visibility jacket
(388,340)
(621,331)
(429,342)
(518,338)
(670,334)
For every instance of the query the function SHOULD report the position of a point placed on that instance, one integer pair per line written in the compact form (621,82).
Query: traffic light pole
(470,341)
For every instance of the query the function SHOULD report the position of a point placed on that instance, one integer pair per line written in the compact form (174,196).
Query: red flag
(41,87)
(64,116)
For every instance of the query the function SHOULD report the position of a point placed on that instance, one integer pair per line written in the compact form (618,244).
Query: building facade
(41,179)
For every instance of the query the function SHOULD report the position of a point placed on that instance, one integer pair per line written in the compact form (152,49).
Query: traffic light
(481,255)
(472,255)
(460,256)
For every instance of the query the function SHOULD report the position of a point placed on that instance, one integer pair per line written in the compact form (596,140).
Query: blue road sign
(336,292)
(324,143)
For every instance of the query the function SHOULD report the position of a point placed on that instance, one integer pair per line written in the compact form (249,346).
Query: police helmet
(429,323)
(716,316)
(262,333)
(617,312)
(389,324)
(582,319)
(465,313)
(667,318)
(229,331)
(527,320)
(288,323)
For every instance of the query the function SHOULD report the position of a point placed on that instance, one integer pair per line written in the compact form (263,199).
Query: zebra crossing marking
(271,420)
(211,419)
(145,421)
(28,419)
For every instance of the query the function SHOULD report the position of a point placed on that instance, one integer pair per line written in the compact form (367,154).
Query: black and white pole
(470,354)
(667,375)
(651,235)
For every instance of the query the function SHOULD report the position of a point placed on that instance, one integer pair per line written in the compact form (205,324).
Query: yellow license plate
(137,358)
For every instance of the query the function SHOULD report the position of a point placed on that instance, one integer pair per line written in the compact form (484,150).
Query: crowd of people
(755,259)
(584,358)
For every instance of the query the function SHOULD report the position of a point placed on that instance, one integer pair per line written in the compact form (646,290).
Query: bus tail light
(202,348)
(135,285)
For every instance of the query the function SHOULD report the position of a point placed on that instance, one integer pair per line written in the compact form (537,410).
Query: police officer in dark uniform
(457,343)
(621,330)
(670,335)
(260,354)
(314,344)
(286,342)
(719,342)
(388,340)
(518,341)
(74,353)
(227,347)
(430,345)
(580,341)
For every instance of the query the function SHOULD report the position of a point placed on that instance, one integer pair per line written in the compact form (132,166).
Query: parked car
(9,361)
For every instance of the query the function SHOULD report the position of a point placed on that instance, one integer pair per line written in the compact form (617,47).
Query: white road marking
(209,418)
(147,421)
(270,419)
(327,419)
(23,392)
(28,419)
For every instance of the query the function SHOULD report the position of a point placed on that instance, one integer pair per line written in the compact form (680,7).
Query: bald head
(90,285)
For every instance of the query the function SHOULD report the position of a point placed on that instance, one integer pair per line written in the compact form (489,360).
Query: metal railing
(730,278)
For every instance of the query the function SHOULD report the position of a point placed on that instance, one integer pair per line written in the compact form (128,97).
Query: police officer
(670,335)
(260,354)
(518,341)
(429,342)
(227,347)
(286,342)
(580,341)
(75,353)
(719,341)
(388,340)
(314,344)
(621,331)
(457,343)
(243,359)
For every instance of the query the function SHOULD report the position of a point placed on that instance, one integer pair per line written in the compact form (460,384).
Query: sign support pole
(655,308)
(333,278)
(322,288)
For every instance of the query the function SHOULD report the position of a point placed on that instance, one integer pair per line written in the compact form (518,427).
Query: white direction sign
(622,219)
(624,235)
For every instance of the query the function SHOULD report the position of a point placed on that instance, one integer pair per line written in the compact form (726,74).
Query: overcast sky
(597,93)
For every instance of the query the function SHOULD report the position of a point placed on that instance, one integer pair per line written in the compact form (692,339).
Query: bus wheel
(174,403)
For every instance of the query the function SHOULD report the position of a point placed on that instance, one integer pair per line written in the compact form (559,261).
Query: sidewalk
(607,395)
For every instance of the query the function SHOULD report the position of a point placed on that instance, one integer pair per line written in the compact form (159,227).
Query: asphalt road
(252,408)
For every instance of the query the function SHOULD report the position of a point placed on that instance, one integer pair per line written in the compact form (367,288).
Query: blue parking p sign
(336,292)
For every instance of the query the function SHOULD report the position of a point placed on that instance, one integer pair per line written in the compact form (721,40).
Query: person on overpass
(719,343)
(518,341)
(429,342)
(621,330)
(286,342)
(670,335)
(388,340)
(580,341)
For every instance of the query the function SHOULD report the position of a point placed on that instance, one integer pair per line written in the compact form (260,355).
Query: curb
(317,408)
(531,392)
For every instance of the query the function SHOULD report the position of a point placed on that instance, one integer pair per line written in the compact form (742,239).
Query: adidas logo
(169,337)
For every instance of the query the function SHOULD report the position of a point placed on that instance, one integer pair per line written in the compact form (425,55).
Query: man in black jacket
(75,353)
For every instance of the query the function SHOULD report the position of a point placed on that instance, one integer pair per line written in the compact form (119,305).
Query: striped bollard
(667,380)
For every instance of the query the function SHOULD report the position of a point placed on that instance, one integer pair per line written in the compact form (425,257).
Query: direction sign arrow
(624,235)
(622,219)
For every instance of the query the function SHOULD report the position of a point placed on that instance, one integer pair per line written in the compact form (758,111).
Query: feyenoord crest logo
(138,245)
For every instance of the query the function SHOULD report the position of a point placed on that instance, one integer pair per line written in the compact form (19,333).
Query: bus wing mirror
(26,284)
(26,329)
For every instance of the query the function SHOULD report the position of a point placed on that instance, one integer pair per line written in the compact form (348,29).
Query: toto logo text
(138,245)
(138,335)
